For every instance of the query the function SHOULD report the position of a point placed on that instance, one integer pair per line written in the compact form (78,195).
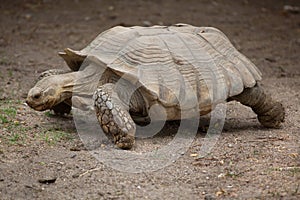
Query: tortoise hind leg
(114,119)
(270,113)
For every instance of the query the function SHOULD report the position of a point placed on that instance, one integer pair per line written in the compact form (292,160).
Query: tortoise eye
(37,96)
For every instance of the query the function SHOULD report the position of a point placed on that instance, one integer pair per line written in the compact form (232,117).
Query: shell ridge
(225,58)
(249,65)
(172,55)
(95,43)
(247,75)
(198,88)
(214,90)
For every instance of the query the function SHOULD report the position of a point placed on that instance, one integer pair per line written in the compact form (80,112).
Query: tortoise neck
(81,83)
(67,83)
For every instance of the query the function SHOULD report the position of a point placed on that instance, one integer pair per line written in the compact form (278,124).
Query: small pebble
(209,197)
(111,8)
(147,23)
(291,9)
(75,148)
(28,16)
(73,155)
(87,18)
(221,175)
(47,180)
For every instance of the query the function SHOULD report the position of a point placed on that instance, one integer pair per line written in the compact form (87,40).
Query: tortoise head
(50,91)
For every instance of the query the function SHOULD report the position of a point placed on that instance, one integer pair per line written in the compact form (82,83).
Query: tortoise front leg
(270,113)
(114,119)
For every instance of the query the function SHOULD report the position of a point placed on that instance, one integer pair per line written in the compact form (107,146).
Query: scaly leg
(270,113)
(114,119)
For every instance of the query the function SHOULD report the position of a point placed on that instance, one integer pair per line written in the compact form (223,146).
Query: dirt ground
(42,156)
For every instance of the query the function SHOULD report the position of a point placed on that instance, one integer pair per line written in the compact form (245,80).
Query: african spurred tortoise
(138,67)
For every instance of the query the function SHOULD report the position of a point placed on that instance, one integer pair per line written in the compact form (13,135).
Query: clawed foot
(274,117)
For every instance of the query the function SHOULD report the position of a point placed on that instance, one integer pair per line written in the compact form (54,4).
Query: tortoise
(138,67)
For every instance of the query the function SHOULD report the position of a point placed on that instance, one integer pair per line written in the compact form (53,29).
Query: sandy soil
(42,156)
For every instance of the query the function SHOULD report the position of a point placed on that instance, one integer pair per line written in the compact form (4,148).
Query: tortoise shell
(166,60)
